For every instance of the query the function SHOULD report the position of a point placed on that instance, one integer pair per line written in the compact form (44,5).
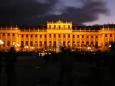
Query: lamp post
(1,43)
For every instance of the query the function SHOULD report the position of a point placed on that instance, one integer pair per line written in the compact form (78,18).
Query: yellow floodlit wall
(55,35)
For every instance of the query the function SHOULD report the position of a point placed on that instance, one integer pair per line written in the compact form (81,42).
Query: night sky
(32,12)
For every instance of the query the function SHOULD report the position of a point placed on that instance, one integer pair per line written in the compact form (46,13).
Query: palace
(55,35)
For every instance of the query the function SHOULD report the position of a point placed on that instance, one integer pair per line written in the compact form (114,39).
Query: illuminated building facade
(55,35)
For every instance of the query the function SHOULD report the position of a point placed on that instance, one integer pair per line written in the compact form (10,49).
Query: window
(59,35)
(106,44)
(68,35)
(87,43)
(8,43)
(73,36)
(40,43)
(36,43)
(50,43)
(45,43)
(54,26)
(8,34)
(64,43)
(44,36)
(31,43)
(49,26)
(64,36)
(68,43)
(82,42)
(59,26)
(96,36)
(26,35)
(4,43)
(91,36)
(73,42)
(82,36)
(91,43)
(49,35)
(54,35)
(26,43)
(54,43)
(77,36)
(13,34)
(78,44)
(22,43)
(87,36)
(3,34)
(110,35)
(63,26)
(105,35)
(40,36)
(22,35)
(69,27)
(36,35)
(31,36)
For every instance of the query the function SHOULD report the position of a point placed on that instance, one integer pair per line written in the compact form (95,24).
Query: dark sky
(32,12)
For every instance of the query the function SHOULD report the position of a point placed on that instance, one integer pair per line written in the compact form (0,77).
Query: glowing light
(1,42)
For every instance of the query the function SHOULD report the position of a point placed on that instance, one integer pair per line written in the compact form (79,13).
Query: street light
(1,43)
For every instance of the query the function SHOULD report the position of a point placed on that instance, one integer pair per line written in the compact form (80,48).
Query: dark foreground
(64,69)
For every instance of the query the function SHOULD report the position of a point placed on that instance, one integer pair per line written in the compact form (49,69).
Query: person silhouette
(66,68)
(10,66)
(1,60)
